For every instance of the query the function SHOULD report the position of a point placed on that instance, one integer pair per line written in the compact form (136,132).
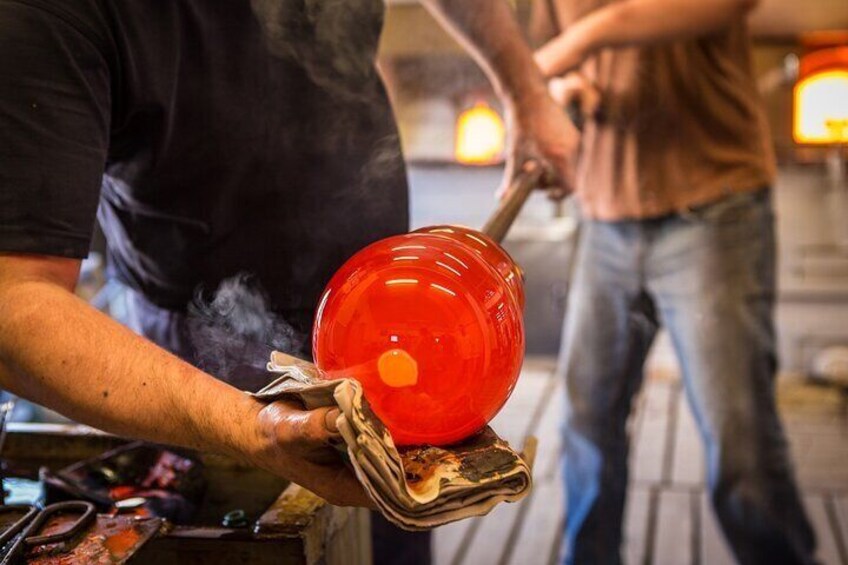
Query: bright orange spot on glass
(397,368)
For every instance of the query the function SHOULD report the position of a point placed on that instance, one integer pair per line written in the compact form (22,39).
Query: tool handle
(510,205)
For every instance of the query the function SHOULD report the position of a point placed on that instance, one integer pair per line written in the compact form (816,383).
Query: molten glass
(431,324)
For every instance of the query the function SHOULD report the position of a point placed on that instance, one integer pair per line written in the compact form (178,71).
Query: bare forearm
(637,22)
(58,351)
(489,31)
(539,131)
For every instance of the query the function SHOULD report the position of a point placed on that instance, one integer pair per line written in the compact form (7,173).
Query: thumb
(316,426)
(561,90)
(331,421)
(321,425)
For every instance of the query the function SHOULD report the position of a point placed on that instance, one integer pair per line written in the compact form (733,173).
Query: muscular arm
(543,24)
(636,22)
(490,33)
(58,351)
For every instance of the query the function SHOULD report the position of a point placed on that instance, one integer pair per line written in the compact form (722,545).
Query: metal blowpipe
(519,190)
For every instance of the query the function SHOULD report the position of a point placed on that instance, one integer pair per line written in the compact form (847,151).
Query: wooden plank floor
(668,518)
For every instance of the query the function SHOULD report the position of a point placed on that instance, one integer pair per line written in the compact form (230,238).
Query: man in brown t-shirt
(672,184)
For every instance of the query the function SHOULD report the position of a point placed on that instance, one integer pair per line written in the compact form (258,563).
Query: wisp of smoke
(335,41)
(235,331)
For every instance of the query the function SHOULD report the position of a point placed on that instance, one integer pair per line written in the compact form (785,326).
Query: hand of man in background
(577,96)
(541,131)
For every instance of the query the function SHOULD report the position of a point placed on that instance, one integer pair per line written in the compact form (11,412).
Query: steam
(234,332)
(384,161)
(335,41)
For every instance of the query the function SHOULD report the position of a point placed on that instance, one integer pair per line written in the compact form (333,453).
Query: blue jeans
(708,277)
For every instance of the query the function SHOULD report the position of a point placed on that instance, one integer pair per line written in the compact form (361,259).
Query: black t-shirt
(217,137)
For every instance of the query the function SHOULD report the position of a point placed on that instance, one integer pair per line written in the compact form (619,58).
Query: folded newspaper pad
(416,488)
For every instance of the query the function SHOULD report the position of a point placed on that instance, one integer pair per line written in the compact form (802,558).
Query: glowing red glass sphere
(431,324)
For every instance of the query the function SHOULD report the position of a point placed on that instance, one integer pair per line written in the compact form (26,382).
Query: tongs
(33,519)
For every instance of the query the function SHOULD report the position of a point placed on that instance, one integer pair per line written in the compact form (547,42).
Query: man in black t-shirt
(211,137)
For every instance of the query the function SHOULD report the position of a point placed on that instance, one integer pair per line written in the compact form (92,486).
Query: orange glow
(397,368)
(821,108)
(480,136)
(437,343)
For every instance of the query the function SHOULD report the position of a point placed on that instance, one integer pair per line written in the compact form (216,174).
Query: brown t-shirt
(682,124)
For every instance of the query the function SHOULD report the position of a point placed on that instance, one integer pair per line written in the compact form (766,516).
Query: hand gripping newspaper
(418,487)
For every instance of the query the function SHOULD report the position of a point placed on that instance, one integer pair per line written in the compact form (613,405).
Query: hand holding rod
(519,190)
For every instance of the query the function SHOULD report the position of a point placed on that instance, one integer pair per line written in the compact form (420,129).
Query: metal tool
(6,410)
(33,519)
(128,504)
(525,181)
